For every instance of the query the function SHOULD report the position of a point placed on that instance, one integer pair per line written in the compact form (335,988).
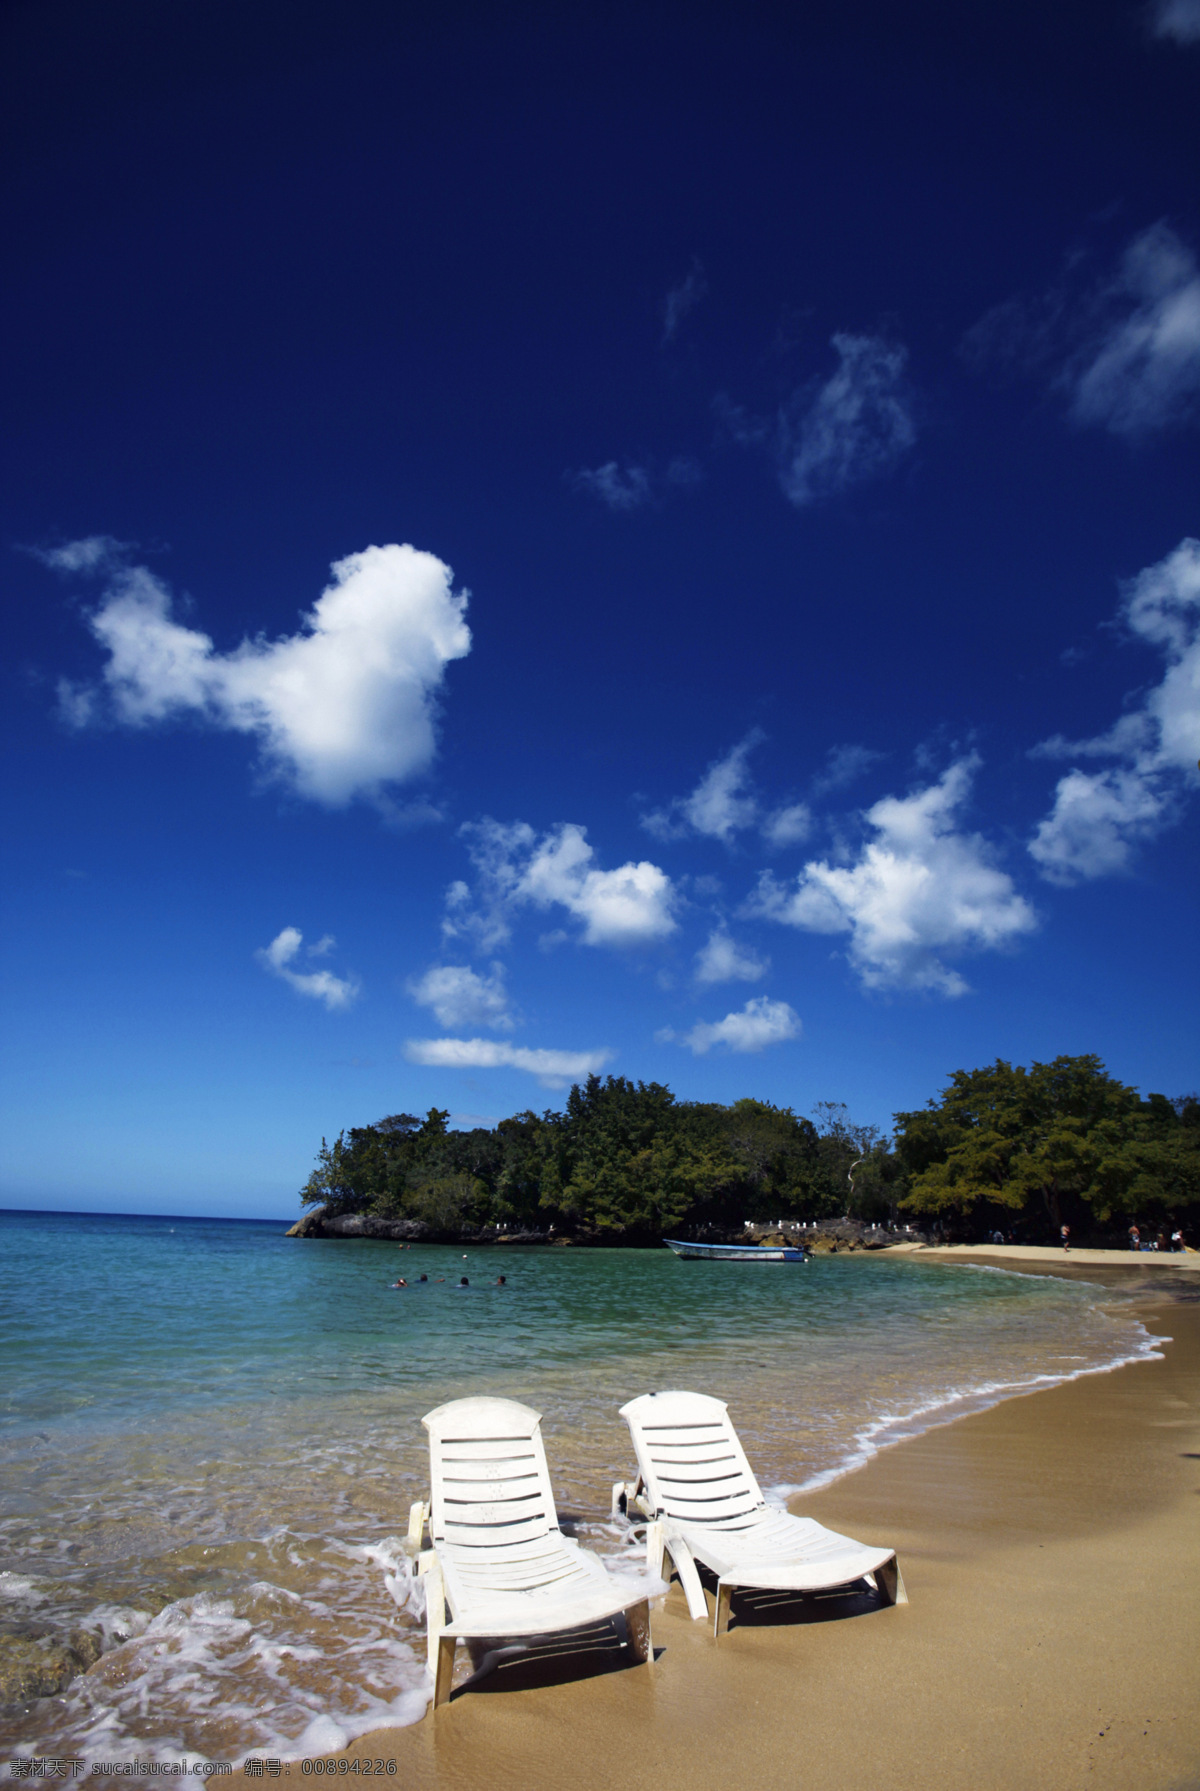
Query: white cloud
(552,1068)
(1094,824)
(93,553)
(621,489)
(632,905)
(459,996)
(918,888)
(844,765)
(1143,372)
(788,826)
(760,1023)
(340,709)
(1178,19)
(723,960)
(683,298)
(856,427)
(280,956)
(720,805)
(1099,818)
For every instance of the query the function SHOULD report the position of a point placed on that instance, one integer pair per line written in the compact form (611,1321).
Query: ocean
(210,1436)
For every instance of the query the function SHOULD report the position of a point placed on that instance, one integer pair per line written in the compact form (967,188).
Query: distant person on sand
(1177,1241)
(1065,1234)
(1135,1238)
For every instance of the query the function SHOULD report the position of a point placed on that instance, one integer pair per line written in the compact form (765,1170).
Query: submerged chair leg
(444,1673)
(637,1628)
(655,1549)
(724,1602)
(689,1579)
(890,1582)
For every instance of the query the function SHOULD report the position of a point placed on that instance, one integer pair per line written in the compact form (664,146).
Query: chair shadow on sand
(563,1660)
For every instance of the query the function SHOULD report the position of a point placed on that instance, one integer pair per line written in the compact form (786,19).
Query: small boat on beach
(736,1252)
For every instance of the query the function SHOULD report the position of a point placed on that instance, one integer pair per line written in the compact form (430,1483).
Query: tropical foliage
(1059,1143)
(1023,1149)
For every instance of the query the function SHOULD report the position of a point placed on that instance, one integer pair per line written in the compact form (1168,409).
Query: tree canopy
(1057,1143)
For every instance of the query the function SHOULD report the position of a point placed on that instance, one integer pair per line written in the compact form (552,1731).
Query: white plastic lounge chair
(698,1490)
(498,1558)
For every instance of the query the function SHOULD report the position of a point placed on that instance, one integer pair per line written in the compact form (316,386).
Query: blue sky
(647,538)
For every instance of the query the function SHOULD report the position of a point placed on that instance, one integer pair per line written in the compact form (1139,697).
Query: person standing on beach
(1135,1238)
(1065,1233)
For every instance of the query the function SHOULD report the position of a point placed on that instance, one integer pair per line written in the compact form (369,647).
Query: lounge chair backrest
(690,1459)
(490,1486)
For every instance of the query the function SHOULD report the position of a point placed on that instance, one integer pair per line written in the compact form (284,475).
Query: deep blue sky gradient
(285,281)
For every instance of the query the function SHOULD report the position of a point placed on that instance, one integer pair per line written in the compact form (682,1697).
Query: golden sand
(1051,1551)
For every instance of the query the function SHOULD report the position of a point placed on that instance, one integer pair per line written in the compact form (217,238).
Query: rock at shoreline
(39,1667)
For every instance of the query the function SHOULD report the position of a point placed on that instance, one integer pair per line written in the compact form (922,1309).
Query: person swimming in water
(422,1277)
(464,1282)
(401,1283)
(501,1280)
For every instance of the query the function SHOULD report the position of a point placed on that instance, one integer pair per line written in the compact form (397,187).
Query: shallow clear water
(210,1435)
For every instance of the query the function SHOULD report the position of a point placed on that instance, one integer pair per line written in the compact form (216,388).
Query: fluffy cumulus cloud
(632,905)
(1143,372)
(283,956)
(918,888)
(1099,817)
(342,708)
(759,1024)
(553,1069)
(722,960)
(857,426)
(1177,19)
(721,804)
(458,996)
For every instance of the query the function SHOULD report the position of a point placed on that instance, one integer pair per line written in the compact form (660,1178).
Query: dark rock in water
(39,1667)
(311,1226)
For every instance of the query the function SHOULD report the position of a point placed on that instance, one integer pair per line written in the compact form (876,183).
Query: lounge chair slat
(705,1502)
(505,1566)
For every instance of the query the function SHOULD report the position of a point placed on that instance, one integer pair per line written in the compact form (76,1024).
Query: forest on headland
(1003,1147)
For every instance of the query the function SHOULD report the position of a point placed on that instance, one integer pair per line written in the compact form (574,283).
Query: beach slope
(1052,1555)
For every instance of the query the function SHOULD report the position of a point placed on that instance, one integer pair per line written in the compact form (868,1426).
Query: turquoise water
(210,1434)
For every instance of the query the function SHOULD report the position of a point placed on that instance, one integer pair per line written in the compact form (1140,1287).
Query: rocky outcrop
(309,1227)
(40,1667)
(831,1234)
(322,1224)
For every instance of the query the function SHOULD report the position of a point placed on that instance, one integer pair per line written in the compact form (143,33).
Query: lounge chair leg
(637,1628)
(435,1610)
(655,1549)
(890,1582)
(444,1672)
(689,1579)
(620,1501)
(724,1601)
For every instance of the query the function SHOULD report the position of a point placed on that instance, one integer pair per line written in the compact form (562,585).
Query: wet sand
(1153,1262)
(1052,1557)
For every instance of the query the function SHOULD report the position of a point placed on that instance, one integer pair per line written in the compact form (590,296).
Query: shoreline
(1004,1255)
(1050,1550)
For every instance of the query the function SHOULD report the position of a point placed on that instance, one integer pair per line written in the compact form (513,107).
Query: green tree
(1062,1142)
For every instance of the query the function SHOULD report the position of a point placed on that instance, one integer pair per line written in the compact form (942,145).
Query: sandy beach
(1052,1558)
